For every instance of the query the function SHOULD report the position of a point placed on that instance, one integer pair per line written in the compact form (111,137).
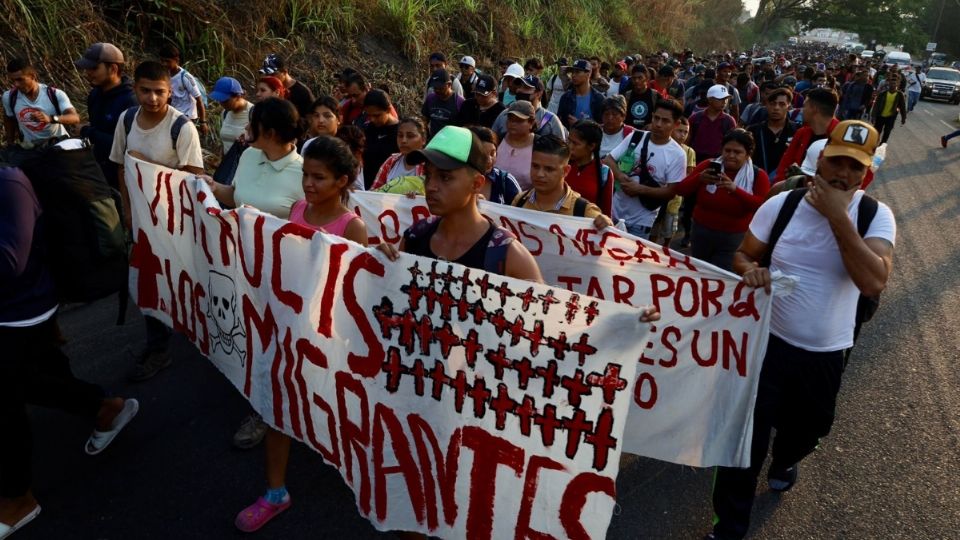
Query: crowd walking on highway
(755,162)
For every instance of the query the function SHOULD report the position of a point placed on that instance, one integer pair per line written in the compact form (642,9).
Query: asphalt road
(884,472)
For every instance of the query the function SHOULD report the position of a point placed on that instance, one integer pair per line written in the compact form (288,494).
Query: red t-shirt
(723,210)
(583,180)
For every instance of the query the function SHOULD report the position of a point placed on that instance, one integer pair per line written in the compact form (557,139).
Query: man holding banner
(827,239)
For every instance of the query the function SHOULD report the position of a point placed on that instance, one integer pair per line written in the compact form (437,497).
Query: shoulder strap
(495,258)
(604,175)
(783,218)
(866,211)
(523,198)
(175,129)
(128,117)
(52,96)
(580,207)
(547,116)
(643,152)
(635,138)
(14,94)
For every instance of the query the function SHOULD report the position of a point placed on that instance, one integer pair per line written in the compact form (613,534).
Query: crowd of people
(753,162)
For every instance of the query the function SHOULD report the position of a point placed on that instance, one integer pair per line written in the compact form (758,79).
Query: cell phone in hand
(715,167)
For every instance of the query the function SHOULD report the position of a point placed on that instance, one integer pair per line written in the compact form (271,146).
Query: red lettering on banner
(530,483)
(489,452)
(593,288)
(446,469)
(670,344)
(575,498)
(697,355)
(419,213)
(747,307)
(187,313)
(711,296)
(645,380)
(187,197)
(569,282)
(256,276)
(623,288)
(203,243)
(312,354)
(203,337)
(355,438)
(266,328)
(136,166)
(535,251)
(335,257)
(148,269)
(694,292)
(406,466)
(615,253)
(154,218)
(661,287)
(290,361)
(290,298)
(391,235)
(739,354)
(558,232)
(675,261)
(226,235)
(369,365)
(506,223)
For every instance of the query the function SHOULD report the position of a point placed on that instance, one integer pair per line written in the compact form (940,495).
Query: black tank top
(417,242)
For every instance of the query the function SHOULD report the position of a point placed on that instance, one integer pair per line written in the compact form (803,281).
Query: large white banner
(453,402)
(699,365)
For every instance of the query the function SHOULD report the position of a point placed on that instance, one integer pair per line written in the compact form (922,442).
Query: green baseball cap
(452,148)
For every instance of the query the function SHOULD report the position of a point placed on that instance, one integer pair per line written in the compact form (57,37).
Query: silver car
(942,83)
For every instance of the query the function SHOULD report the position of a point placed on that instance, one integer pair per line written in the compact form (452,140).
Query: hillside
(388,40)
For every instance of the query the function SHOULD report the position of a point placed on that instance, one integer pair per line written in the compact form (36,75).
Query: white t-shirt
(24,108)
(913,82)
(667,164)
(185,93)
(610,142)
(556,87)
(819,315)
(400,168)
(156,144)
(233,125)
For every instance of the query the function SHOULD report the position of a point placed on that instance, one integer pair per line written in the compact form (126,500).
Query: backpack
(130,115)
(867,305)
(51,95)
(196,82)
(87,250)
(579,206)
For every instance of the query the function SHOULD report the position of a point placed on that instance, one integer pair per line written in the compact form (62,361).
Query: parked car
(942,83)
(866,54)
(897,58)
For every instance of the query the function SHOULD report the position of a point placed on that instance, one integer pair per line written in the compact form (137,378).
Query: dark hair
(614,103)
(533,63)
(355,78)
(20,64)
(169,51)
(777,92)
(336,155)
(740,136)
(639,68)
(549,144)
(666,71)
(809,73)
(819,74)
(672,105)
(417,123)
(377,98)
(353,136)
(684,121)
(591,133)
(485,134)
(328,102)
(768,85)
(742,79)
(151,71)
(824,100)
(278,115)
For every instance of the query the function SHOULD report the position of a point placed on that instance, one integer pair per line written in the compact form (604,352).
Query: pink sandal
(259,513)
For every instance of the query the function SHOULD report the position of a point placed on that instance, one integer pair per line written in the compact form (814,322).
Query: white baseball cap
(809,166)
(468,60)
(718,91)
(515,70)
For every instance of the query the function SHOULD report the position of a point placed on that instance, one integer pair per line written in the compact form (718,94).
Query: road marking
(948,125)
(928,112)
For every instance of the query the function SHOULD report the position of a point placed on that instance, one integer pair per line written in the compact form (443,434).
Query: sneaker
(783,479)
(150,364)
(943,142)
(251,432)
(259,514)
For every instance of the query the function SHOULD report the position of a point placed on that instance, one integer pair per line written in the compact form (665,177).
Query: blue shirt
(583,108)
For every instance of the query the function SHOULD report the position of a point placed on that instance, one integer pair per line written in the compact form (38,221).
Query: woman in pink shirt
(328,171)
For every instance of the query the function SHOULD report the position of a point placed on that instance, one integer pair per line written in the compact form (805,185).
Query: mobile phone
(715,168)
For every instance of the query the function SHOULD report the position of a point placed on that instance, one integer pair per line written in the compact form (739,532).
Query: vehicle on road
(897,58)
(866,54)
(942,83)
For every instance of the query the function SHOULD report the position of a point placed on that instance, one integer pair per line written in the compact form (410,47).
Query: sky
(751,6)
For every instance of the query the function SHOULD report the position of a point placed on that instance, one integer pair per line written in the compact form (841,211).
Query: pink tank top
(336,227)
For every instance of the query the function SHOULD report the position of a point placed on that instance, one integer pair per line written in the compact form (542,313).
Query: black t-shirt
(301,97)
(471,115)
(416,241)
(770,146)
(640,107)
(441,112)
(381,143)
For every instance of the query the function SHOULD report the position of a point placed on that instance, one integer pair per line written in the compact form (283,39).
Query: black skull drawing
(222,309)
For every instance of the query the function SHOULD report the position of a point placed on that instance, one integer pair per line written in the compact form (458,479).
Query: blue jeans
(912,99)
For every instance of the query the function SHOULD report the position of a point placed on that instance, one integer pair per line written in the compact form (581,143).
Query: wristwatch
(55,119)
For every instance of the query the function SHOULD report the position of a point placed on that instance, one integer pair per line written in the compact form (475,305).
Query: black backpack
(867,305)
(51,95)
(86,243)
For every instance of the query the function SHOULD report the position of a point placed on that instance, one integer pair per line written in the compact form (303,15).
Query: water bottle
(878,157)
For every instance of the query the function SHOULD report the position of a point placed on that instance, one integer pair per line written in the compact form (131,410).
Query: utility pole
(936,28)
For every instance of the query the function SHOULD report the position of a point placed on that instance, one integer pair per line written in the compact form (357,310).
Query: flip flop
(99,440)
(7,530)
